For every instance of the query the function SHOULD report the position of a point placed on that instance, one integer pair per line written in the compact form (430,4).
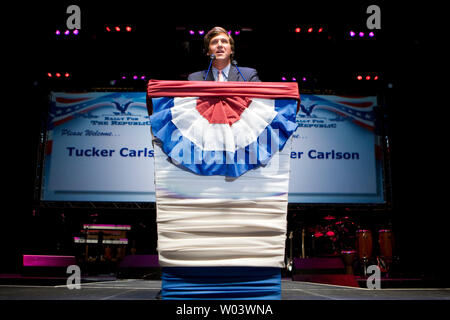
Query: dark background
(403,54)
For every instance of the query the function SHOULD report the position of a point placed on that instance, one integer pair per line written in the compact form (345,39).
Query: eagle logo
(122,105)
(307,110)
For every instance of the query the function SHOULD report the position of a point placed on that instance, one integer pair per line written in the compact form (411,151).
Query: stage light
(359,77)
(135,77)
(58,75)
(128,28)
(67,32)
(124,78)
(237,32)
(283,78)
(352,34)
(143,78)
(75,32)
(294,79)
(304,79)
(320,30)
(375,78)
(108,29)
(361,34)
(201,32)
(371,34)
(297,30)
(191,32)
(367,77)
(58,32)
(310,30)
(118,29)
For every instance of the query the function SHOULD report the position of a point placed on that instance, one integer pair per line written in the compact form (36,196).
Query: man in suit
(218,42)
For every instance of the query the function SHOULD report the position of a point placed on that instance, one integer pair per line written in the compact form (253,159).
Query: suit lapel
(233,75)
(210,75)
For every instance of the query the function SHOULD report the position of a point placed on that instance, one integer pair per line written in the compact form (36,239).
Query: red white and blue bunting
(224,129)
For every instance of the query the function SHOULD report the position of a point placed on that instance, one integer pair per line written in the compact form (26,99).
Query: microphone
(234,62)
(212,57)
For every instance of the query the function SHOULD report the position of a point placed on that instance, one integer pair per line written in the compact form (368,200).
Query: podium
(222,156)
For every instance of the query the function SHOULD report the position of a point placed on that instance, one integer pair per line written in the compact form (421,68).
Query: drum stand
(365,262)
(290,263)
(303,243)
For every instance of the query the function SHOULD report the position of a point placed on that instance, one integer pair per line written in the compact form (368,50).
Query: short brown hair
(214,32)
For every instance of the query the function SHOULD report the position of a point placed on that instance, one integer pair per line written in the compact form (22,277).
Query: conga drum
(364,244)
(348,256)
(108,253)
(120,252)
(386,242)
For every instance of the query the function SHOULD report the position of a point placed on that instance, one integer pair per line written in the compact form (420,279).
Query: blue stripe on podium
(217,283)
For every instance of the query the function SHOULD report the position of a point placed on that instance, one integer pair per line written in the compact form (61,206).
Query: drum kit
(334,236)
(356,245)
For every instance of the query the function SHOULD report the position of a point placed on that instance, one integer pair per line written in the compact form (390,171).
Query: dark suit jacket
(248,73)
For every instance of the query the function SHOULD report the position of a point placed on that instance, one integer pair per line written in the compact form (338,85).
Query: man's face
(220,46)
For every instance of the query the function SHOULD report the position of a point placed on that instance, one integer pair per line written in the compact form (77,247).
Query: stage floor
(136,289)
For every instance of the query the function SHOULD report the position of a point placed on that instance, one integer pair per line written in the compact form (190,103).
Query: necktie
(220,76)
